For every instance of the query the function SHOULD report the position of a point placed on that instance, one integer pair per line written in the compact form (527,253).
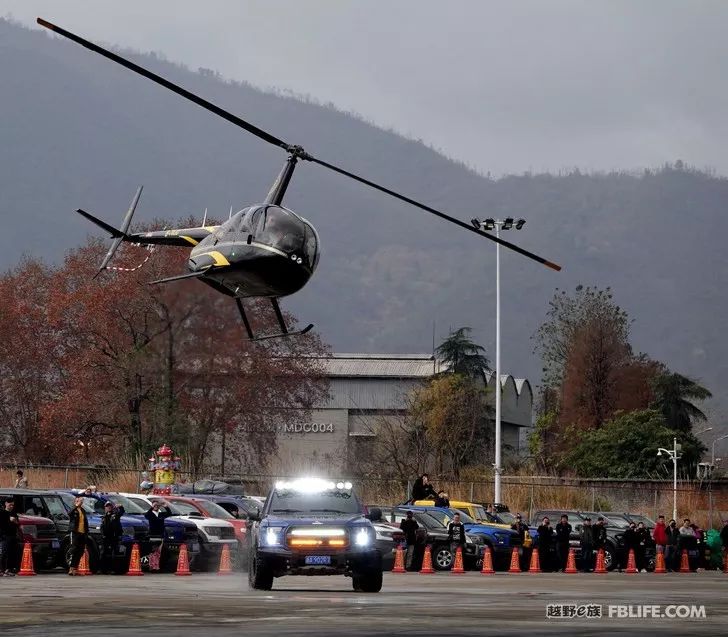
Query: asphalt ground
(409,604)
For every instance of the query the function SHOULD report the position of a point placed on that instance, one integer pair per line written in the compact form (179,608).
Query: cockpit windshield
(281,229)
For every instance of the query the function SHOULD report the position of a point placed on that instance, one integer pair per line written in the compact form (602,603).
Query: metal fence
(523,493)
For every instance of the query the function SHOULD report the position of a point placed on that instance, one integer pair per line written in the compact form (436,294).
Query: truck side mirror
(254,515)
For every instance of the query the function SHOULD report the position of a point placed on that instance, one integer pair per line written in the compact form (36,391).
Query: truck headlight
(213,531)
(500,539)
(272,536)
(362,537)
(476,539)
(29,529)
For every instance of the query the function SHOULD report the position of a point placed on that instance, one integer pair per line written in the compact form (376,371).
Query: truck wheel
(610,558)
(260,577)
(442,558)
(370,582)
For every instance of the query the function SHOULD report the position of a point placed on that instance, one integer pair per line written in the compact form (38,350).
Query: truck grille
(46,531)
(312,537)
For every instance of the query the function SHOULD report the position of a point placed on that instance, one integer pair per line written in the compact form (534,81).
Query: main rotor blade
(258,132)
(442,215)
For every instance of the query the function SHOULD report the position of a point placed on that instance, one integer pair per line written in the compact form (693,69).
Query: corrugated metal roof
(380,365)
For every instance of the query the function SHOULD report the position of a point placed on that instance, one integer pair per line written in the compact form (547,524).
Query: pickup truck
(313,527)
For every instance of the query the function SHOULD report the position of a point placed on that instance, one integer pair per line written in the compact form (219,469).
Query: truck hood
(488,529)
(34,519)
(307,519)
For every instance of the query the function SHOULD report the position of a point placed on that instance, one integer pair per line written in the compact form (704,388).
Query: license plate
(55,544)
(318,559)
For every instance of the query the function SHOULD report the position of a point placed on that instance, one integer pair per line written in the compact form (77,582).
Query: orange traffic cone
(515,564)
(684,562)
(660,562)
(535,566)
(427,561)
(26,566)
(487,563)
(225,565)
(183,561)
(399,560)
(83,566)
(135,563)
(571,562)
(600,565)
(457,567)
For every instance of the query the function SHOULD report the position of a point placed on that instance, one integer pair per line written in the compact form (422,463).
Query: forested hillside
(78,131)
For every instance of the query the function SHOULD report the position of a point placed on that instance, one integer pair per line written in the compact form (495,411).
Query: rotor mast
(280,185)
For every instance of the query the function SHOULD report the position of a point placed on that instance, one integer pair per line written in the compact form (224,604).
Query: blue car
(501,541)
(132,532)
(176,532)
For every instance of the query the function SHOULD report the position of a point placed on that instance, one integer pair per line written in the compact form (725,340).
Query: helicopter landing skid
(279,315)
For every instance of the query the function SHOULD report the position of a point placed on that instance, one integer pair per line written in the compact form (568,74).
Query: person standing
(521,528)
(586,542)
(21,482)
(78,523)
(599,535)
(111,532)
(642,539)
(545,538)
(456,535)
(156,516)
(672,535)
(630,543)
(409,526)
(659,535)
(563,535)
(9,532)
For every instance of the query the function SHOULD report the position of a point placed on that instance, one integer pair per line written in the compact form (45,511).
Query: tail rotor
(119,235)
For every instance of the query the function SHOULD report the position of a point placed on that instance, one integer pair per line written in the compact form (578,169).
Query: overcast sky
(505,86)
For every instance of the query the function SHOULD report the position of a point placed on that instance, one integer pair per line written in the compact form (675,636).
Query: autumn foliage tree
(121,366)
(590,373)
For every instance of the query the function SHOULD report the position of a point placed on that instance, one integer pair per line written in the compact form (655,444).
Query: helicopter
(264,250)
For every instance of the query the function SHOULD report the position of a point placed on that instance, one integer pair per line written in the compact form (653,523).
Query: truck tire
(260,577)
(442,557)
(369,582)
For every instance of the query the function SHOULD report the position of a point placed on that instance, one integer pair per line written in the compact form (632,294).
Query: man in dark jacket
(563,535)
(630,543)
(599,534)
(456,534)
(111,532)
(78,524)
(442,499)
(545,539)
(672,537)
(642,541)
(9,532)
(520,527)
(422,489)
(586,542)
(409,526)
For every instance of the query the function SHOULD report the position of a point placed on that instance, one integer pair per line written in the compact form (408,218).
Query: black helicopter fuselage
(263,250)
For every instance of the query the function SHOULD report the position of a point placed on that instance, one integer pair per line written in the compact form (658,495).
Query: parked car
(212,533)
(45,505)
(237,505)
(500,538)
(93,517)
(614,553)
(433,532)
(40,532)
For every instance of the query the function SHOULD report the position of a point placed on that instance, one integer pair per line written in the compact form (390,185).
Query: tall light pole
(710,480)
(673,455)
(498,224)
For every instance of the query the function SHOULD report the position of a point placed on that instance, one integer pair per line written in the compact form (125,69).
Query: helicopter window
(281,229)
(311,247)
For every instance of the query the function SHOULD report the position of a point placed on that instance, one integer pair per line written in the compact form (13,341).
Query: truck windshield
(323,502)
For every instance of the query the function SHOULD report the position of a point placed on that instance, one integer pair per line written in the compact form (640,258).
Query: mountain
(79,131)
